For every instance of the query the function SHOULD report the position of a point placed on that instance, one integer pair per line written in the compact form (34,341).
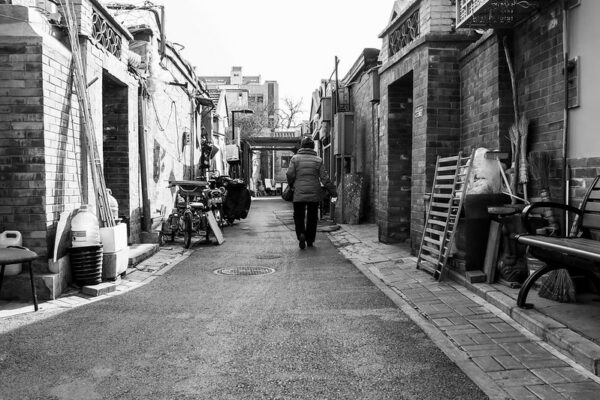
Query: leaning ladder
(105,214)
(449,187)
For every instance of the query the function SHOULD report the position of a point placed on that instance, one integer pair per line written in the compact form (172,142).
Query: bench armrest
(525,215)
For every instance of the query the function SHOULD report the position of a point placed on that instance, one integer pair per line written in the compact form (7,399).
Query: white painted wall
(584,123)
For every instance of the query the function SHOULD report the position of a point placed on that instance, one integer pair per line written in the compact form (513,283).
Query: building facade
(145,108)
(446,77)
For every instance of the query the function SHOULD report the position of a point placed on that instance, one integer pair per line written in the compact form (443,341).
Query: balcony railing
(487,14)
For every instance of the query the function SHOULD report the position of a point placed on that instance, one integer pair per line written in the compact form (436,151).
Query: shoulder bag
(288,193)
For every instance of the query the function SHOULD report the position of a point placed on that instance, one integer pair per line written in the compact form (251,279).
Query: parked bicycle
(197,212)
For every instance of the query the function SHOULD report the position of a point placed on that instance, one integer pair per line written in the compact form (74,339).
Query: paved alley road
(316,328)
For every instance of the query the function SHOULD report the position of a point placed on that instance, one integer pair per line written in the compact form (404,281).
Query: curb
(482,380)
(135,277)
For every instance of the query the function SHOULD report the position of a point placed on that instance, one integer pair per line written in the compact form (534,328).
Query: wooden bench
(578,251)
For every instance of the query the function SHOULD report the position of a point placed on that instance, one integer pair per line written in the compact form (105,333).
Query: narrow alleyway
(316,328)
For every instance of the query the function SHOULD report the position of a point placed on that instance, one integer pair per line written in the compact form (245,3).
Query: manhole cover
(267,256)
(230,271)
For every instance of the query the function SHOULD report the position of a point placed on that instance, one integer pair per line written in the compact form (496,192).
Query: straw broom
(558,285)
(523,165)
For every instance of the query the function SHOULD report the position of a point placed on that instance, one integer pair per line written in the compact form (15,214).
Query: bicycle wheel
(207,226)
(219,216)
(187,231)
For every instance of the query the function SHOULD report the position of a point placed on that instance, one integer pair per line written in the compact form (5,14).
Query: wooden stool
(17,255)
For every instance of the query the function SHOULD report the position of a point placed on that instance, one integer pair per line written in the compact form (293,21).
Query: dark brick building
(419,110)
(445,87)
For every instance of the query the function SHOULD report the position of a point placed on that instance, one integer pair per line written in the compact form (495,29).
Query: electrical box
(374,86)
(326,108)
(343,142)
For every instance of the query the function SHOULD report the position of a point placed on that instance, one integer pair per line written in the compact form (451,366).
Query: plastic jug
(113,204)
(85,230)
(11,238)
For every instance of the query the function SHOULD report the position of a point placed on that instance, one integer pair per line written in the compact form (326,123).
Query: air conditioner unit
(343,142)
(326,108)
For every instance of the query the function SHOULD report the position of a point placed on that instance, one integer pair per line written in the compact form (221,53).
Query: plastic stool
(16,255)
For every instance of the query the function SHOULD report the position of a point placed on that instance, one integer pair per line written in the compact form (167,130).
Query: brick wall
(22,186)
(62,136)
(389,178)
(583,172)
(436,121)
(486,99)
(486,104)
(438,15)
(538,59)
(365,142)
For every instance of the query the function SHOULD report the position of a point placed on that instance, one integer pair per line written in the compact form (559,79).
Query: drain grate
(267,256)
(235,271)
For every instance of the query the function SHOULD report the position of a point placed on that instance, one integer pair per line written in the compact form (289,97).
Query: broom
(558,285)
(523,164)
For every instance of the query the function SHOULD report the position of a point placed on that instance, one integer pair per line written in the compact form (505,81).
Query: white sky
(291,41)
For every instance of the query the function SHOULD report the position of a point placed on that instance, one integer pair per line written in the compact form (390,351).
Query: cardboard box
(114,238)
(114,264)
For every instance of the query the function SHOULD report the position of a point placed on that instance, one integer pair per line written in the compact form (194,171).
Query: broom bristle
(558,286)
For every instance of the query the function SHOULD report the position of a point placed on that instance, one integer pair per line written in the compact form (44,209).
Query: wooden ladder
(449,187)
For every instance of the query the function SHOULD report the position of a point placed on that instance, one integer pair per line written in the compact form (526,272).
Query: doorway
(400,146)
(115,128)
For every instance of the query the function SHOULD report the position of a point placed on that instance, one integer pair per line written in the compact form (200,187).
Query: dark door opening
(400,134)
(115,128)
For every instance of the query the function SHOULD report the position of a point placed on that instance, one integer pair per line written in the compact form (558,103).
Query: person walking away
(306,174)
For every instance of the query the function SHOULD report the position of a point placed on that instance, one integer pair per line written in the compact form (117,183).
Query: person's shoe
(302,241)
(309,244)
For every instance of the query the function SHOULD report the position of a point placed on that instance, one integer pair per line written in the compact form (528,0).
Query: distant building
(247,92)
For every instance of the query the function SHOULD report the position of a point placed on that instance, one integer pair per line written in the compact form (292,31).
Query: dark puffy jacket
(306,173)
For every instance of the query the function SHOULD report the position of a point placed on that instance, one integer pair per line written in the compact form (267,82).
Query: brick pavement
(492,348)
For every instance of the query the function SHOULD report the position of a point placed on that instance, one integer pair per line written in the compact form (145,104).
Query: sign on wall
(419,111)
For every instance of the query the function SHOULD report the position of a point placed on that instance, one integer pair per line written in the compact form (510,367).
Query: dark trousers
(309,212)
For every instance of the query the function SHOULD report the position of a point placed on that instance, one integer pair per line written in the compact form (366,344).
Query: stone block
(140,252)
(99,289)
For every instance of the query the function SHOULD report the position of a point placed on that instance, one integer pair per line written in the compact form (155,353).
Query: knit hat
(307,143)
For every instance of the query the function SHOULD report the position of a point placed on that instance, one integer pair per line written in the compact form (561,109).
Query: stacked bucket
(86,250)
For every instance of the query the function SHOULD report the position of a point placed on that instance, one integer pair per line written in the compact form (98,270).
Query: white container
(114,238)
(112,204)
(85,230)
(11,238)
(114,264)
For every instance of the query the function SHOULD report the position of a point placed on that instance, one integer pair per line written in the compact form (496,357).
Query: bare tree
(290,112)
(255,124)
